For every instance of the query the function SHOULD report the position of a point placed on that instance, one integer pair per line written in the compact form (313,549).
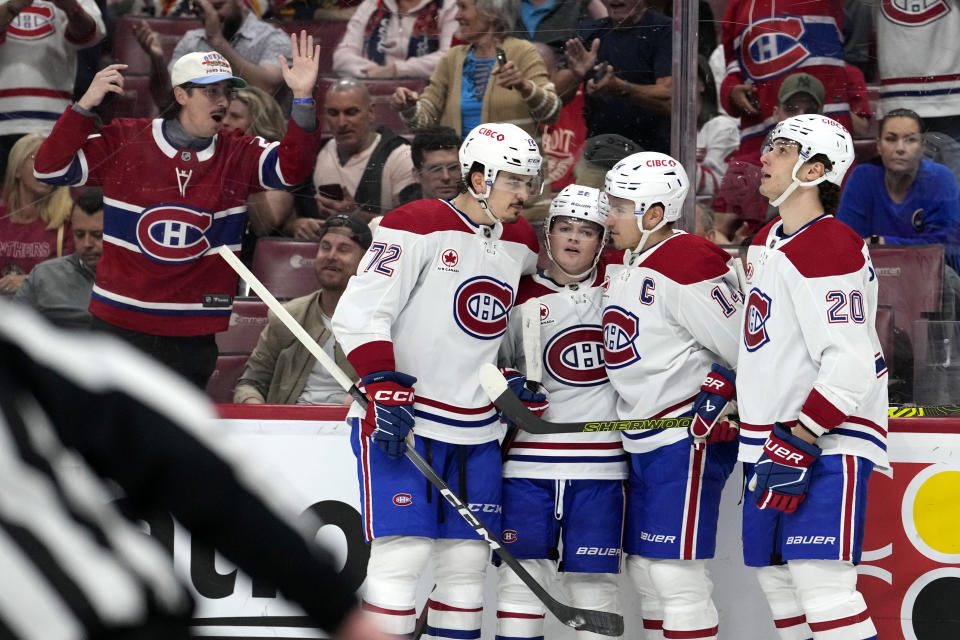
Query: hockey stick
(530,325)
(602,622)
(496,388)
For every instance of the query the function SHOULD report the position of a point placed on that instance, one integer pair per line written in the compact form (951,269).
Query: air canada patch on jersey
(173,233)
(481,306)
(574,356)
(755,320)
(620,331)
(914,13)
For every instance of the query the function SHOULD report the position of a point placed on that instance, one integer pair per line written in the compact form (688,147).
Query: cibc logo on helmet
(657,162)
(490,133)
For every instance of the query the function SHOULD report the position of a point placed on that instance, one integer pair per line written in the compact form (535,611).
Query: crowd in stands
(401,81)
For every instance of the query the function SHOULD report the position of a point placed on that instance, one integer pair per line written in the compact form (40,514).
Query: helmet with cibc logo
(816,134)
(648,178)
(500,147)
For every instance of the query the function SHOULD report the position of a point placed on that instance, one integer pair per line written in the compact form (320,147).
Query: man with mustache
(175,191)
(59,289)
(280,369)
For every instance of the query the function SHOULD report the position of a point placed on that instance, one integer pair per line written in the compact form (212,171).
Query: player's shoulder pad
(529,287)
(423,217)
(687,259)
(760,237)
(827,247)
(521,232)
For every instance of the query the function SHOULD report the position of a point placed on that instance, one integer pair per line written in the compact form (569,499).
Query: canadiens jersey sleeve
(288,162)
(385,280)
(835,313)
(74,153)
(712,311)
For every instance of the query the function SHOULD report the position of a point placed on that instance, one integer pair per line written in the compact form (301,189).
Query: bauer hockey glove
(535,401)
(390,410)
(782,475)
(713,403)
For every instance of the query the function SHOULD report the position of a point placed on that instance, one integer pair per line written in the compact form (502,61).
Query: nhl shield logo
(185,156)
(914,13)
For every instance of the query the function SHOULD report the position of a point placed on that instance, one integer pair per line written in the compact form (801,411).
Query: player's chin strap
(482,200)
(796,183)
(629,256)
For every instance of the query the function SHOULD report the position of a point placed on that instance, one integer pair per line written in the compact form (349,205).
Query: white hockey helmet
(582,203)
(648,178)
(500,147)
(816,134)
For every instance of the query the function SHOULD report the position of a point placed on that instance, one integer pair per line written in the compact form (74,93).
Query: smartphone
(596,74)
(501,57)
(332,191)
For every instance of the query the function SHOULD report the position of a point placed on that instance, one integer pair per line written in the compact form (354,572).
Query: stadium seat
(224,378)
(865,149)
(911,277)
(247,321)
(285,266)
(326,34)
(380,92)
(127,50)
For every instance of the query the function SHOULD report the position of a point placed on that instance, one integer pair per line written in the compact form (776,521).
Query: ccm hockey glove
(718,389)
(782,475)
(390,410)
(535,401)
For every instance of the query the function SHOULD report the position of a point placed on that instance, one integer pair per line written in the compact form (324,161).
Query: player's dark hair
(476,167)
(901,113)
(90,201)
(432,139)
(829,192)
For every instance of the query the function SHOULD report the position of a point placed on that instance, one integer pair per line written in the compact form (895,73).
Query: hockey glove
(713,403)
(535,401)
(390,410)
(782,475)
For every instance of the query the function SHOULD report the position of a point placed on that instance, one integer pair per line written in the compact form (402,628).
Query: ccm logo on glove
(384,395)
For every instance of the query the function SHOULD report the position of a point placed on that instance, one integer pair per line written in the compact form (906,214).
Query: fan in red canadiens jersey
(428,305)
(175,190)
(671,316)
(812,389)
(565,487)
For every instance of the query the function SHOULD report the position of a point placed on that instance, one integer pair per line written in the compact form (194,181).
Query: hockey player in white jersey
(428,305)
(671,317)
(564,487)
(812,389)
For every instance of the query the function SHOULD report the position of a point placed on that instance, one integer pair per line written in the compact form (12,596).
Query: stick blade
(605,623)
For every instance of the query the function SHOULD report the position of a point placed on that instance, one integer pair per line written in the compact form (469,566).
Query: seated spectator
(709,226)
(906,199)
(34,217)
(718,135)
(739,209)
(436,165)
(470,87)
(59,289)
(362,171)
(280,369)
(249,44)
(761,53)
(395,39)
(39,43)
(625,61)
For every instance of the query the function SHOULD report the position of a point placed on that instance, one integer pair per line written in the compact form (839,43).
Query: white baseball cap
(203,67)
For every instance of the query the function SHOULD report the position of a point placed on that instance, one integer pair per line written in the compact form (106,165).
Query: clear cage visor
(530,186)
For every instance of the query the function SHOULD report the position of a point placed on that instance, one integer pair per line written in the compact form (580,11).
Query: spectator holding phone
(492,78)
(362,171)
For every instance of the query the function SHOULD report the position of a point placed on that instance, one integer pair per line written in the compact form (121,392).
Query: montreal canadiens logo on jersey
(574,356)
(772,46)
(402,500)
(481,306)
(173,233)
(33,23)
(620,331)
(755,320)
(914,13)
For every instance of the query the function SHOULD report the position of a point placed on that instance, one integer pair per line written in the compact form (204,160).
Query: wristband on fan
(303,101)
